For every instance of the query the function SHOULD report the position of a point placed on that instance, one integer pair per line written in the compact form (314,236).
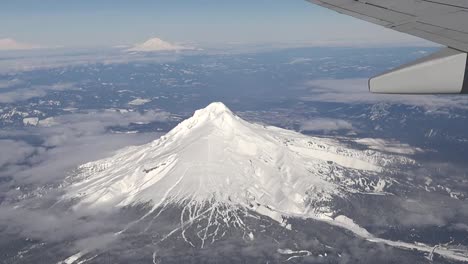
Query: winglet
(444,72)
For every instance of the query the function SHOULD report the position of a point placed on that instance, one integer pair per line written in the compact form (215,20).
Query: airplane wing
(440,21)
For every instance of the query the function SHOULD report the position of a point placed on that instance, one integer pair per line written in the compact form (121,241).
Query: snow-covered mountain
(221,170)
(157,44)
(215,156)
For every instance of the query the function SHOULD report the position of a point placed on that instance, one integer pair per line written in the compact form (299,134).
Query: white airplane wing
(440,21)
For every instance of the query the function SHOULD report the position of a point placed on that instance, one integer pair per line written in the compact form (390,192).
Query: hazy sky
(116,22)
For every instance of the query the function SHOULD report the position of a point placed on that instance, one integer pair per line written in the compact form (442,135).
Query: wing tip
(444,72)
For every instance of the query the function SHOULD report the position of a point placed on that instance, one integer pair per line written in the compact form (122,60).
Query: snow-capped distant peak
(11,44)
(157,44)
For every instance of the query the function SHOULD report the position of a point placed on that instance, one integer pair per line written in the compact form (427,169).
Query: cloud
(460,227)
(388,146)
(355,91)
(156,44)
(45,158)
(11,44)
(300,60)
(139,101)
(10,83)
(24,94)
(68,141)
(435,211)
(60,58)
(13,152)
(90,232)
(326,124)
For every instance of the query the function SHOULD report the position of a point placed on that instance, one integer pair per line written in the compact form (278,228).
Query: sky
(96,23)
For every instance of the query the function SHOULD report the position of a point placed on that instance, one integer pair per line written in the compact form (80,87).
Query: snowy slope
(218,168)
(216,156)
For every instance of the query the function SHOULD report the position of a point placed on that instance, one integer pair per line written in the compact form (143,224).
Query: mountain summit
(214,110)
(215,114)
(157,44)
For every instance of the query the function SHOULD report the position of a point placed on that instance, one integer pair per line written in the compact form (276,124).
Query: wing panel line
(445,4)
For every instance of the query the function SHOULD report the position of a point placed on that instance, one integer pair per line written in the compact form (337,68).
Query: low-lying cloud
(355,91)
(300,60)
(10,83)
(29,168)
(24,94)
(59,58)
(14,152)
(326,124)
(68,141)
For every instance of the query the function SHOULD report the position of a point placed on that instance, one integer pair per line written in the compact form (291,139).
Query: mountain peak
(12,44)
(157,44)
(217,166)
(214,109)
(157,41)
(216,156)
(213,119)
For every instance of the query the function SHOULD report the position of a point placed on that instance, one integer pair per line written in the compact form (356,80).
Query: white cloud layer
(388,146)
(300,60)
(58,58)
(13,151)
(32,92)
(326,124)
(10,83)
(355,91)
(68,141)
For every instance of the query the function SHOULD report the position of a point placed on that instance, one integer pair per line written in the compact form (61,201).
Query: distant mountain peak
(156,44)
(12,44)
